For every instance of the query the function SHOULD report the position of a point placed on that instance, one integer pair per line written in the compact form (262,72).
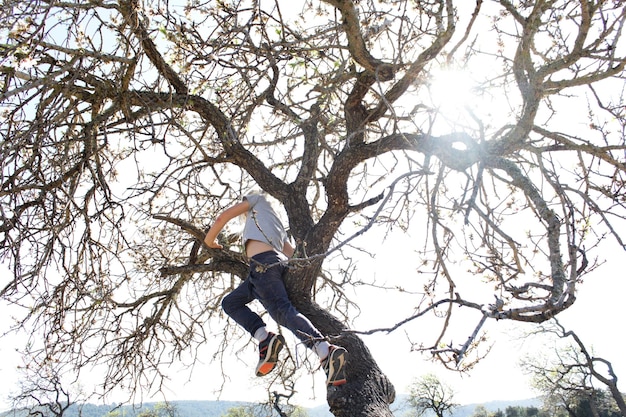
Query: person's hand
(215,245)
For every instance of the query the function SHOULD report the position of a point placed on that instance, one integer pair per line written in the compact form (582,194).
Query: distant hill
(219,408)
(184,409)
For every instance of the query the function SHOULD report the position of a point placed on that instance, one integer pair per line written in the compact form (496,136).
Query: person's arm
(224,217)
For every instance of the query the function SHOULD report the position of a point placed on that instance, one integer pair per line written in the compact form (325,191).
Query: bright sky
(598,309)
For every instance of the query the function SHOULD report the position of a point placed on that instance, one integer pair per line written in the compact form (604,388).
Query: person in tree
(267,246)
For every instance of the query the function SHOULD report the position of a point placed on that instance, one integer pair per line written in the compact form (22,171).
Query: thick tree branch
(356,44)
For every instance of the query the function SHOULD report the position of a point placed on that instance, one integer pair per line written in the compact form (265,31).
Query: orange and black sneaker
(268,353)
(333,365)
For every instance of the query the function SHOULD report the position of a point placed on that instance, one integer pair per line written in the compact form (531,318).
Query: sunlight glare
(452,89)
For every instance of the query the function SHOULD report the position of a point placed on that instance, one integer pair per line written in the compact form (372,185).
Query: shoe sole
(271,357)
(336,374)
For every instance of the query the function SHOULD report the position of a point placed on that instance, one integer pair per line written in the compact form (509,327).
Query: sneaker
(268,353)
(334,366)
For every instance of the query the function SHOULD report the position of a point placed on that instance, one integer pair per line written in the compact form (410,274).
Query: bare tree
(572,375)
(44,393)
(128,124)
(428,393)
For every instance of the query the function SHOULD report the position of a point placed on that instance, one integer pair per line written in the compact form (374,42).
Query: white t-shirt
(263,224)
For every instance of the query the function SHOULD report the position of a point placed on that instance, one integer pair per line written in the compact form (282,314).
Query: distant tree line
(596,404)
(481,411)
(429,395)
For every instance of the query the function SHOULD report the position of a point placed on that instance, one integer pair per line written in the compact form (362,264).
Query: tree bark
(368,392)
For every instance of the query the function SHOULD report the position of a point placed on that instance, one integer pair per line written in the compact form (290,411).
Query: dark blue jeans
(267,285)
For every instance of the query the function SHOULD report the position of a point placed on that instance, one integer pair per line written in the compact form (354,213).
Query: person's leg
(235,305)
(268,287)
(270,344)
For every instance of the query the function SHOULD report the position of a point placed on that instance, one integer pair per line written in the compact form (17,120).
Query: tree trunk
(368,392)
(618,397)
